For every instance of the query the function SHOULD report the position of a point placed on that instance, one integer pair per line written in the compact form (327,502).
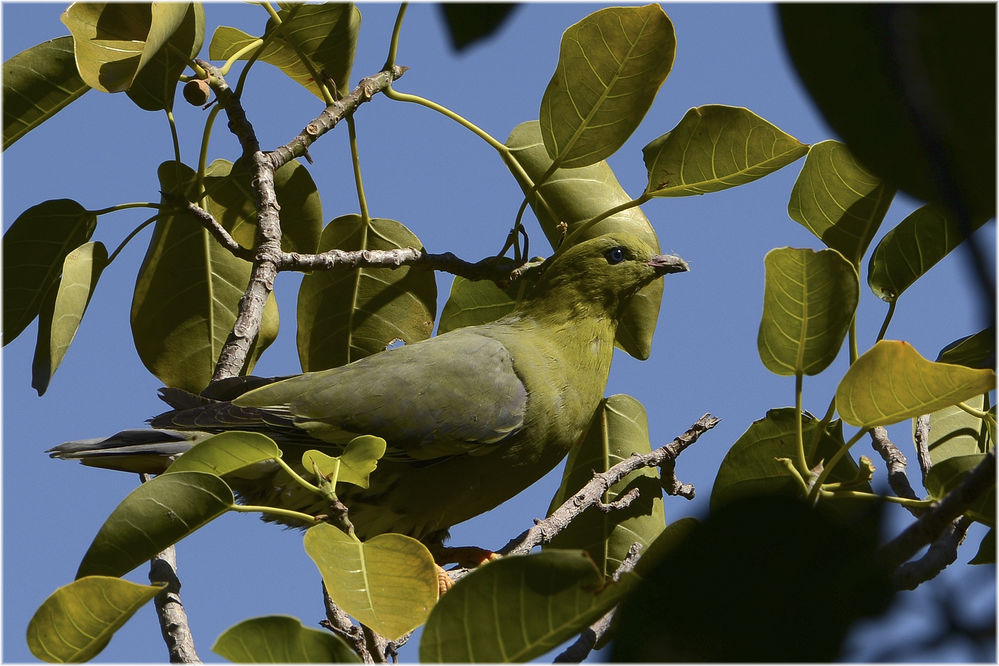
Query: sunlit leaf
(477,302)
(955,432)
(37,84)
(619,429)
(157,514)
(910,249)
(574,196)
(838,200)
(610,67)
(809,300)
(114,41)
(354,465)
(325,33)
(388,583)
(345,314)
(226,452)
(155,85)
(975,351)
(281,639)
(947,474)
(34,249)
(715,147)
(517,608)
(59,322)
(891,382)
(76,621)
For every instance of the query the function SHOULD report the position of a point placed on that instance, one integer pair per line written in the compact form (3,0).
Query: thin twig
(921,437)
(896,463)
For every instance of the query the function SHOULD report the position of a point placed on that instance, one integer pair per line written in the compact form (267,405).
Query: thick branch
(895,461)
(941,554)
(170,611)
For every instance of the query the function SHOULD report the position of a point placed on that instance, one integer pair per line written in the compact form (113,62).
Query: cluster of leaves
(611,65)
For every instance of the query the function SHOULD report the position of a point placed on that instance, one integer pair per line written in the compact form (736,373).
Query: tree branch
(941,554)
(895,461)
(170,611)
(921,437)
(497,269)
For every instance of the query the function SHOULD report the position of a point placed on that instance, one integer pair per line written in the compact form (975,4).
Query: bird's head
(603,272)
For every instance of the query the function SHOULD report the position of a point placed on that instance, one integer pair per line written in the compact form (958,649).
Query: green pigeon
(471,417)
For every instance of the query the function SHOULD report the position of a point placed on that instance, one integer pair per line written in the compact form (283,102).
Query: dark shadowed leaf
(388,583)
(986,550)
(76,622)
(910,249)
(975,351)
(715,147)
(479,301)
(34,248)
(468,23)
(281,639)
(619,429)
(155,515)
(945,475)
(114,41)
(187,295)
(809,299)
(839,201)
(891,382)
(326,34)
(610,67)
(225,453)
(61,317)
(345,314)
(516,608)
(574,196)
(37,84)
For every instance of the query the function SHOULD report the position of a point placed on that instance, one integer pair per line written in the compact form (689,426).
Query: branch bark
(895,461)
(170,611)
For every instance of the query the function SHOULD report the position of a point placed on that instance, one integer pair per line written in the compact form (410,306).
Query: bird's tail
(142,450)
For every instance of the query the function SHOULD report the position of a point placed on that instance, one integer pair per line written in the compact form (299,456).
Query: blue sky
(451,189)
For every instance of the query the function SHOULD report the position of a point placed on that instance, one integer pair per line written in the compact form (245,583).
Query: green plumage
(471,417)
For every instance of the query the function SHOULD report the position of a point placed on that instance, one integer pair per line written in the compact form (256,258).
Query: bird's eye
(615,255)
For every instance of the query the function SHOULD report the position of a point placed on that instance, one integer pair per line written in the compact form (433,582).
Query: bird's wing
(455,393)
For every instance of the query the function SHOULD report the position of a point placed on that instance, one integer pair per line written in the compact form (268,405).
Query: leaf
(955,432)
(611,65)
(345,314)
(114,41)
(474,302)
(517,608)
(354,465)
(838,200)
(891,382)
(326,34)
(750,467)
(468,23)
(157,514)
(58,323)
(809,300)
(34,249)
(670,538)
(946,475)
(230,200)
(975,351)
(226,452)
(574,196)
(155,86)
(187,294)
(388,583)
(910,249)
(76,621)
(986,549)
(619,429)
(715,147)
(38,83)
(281,639)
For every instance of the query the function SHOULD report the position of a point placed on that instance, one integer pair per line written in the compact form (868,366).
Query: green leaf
(891,382)
(516,608)
(230,201)
(113,42)
(975,351)
(944,476)
(155,85)
(157,514)
(715,147)
(809,299)
(955,432)
(574,196)
(468,23)
(619,429)
(226,452)
(611,65)
(281,639)
(345,314)
(986,550)
(187,294)
(910,249)
(355,465)
(76,621)
(478,302)
(670,538)
(326,34)
(37,84)
(750,467)
(60,319)
(838,200)
(388,583)
(34,249)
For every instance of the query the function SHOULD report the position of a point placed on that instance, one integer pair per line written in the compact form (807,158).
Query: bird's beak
(668,263)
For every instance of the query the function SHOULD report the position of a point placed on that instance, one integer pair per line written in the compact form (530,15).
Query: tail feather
(141,450)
